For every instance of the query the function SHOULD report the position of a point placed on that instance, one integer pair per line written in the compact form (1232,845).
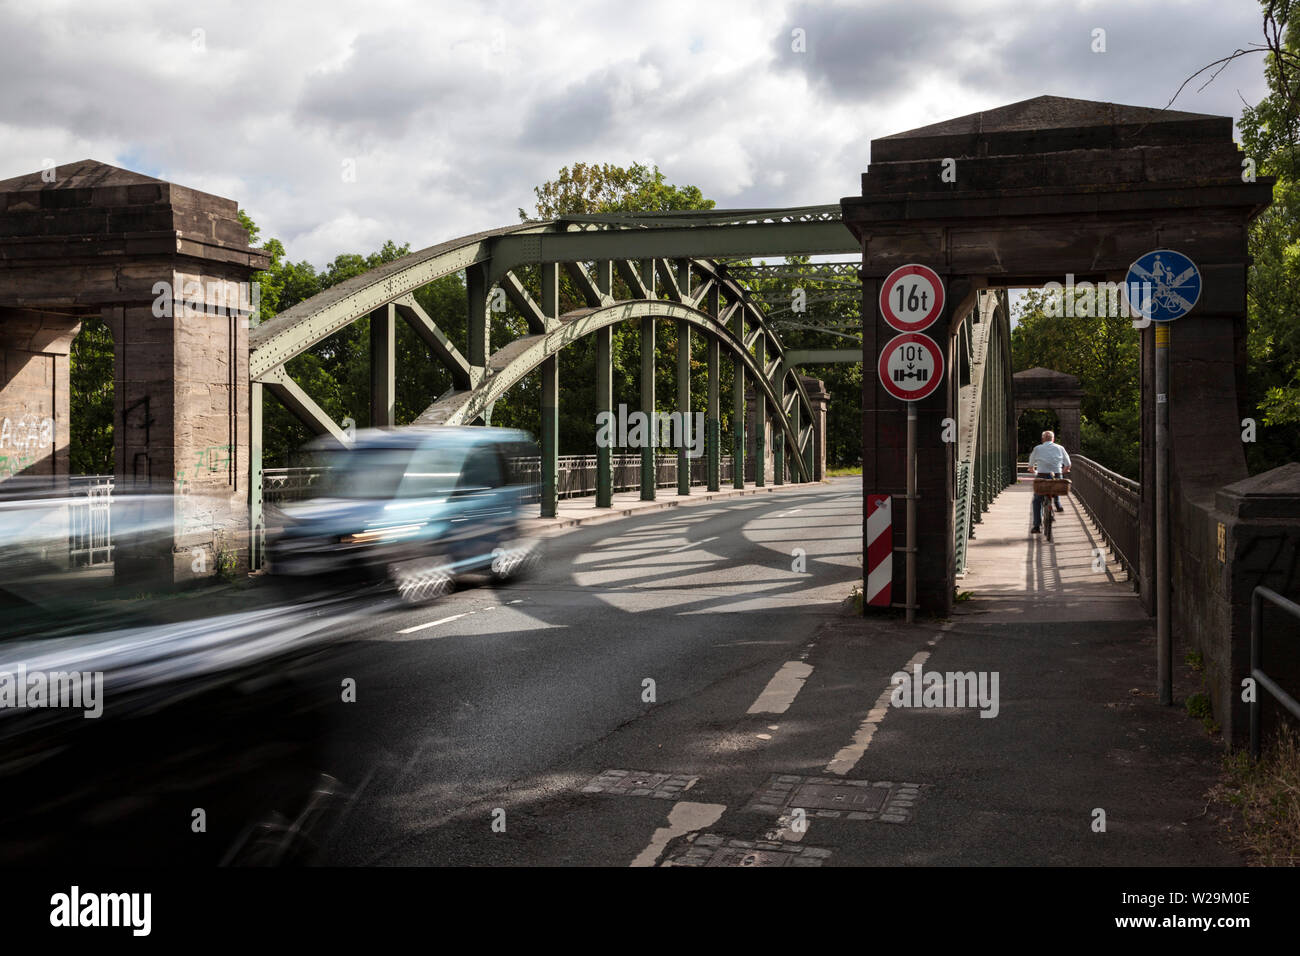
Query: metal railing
(575,478)
(1257,599)
(90,525)
(289,484)
(1111,500)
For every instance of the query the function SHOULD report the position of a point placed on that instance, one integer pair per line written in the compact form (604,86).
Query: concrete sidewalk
(1018,576)
(1079,728)
(580,511)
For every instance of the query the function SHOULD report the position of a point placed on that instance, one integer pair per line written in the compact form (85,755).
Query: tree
(1270,133)
(336,371)
(90,389)
(584,189)
(596,189)
(1103,351)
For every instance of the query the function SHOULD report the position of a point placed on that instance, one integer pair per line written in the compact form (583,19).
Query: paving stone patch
(837,798)
(640,783)
(710,849)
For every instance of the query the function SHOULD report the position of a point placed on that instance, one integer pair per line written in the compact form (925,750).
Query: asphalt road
(499,725)
(504,689)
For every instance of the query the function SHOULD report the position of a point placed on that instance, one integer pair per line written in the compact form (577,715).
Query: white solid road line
(782,689)
(421,627)
(683,818)
(848,757)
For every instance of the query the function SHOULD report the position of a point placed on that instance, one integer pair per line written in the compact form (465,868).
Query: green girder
(668,243)
(514,361)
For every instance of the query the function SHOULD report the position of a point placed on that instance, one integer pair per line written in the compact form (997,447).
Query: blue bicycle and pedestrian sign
(1162,286)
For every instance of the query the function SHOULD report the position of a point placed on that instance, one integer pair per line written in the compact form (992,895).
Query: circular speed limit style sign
(911,298)
(910,366)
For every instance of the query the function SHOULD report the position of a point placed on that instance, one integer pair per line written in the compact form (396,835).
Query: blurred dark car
(413,508)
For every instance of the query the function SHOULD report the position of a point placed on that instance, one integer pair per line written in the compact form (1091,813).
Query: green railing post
(738,413)
(649,467)
(480,330)
(550,399)
(605,390)
(383,366)
(760,416)
(778,434)
(684,383)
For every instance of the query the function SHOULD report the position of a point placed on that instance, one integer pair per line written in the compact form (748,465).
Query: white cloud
(453,111)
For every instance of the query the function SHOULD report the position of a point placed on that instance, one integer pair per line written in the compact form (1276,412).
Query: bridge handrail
(1257,599)
(1111,500)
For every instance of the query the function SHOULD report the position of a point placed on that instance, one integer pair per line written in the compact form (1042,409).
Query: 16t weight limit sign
(911,366)
(911,298)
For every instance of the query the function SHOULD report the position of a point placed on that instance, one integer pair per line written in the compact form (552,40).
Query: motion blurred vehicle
(413,508)
(125,707)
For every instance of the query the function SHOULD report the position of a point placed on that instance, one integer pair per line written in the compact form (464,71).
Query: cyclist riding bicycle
(1048,460)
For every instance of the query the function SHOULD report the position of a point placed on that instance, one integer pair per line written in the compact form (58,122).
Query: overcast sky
(450,112)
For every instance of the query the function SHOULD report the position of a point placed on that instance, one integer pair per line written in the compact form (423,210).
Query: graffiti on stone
(22,441)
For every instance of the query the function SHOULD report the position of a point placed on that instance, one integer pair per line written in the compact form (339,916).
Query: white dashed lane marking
(421,627)
(848,757)
(782,689)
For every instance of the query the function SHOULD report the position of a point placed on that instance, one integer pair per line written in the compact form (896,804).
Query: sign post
(910,368)
(1161,286)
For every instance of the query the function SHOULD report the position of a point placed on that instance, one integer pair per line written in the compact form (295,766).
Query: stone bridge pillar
(169,270)
(34,392)
(1062,190)
(1054,391)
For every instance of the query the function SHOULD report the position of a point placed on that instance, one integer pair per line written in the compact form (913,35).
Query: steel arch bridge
(669,262)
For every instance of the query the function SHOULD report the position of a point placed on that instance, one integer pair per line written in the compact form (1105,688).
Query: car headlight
(377,535)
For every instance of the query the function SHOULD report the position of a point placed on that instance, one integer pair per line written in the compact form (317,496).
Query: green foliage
(336,371)
(1198,706)
(1103,351)
(1270,134)
(591,189)
(90,381)
(843,381)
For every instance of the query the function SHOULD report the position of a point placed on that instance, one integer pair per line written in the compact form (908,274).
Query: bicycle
(1049,488)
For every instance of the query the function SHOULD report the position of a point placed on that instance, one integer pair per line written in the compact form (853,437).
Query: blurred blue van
(414,507)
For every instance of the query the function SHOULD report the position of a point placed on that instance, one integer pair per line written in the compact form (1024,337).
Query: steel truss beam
(666,253)
(509,365)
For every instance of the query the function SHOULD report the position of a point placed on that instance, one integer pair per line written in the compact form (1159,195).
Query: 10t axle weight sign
(910,366)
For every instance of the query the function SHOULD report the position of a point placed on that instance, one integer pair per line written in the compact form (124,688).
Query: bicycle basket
(1051,486)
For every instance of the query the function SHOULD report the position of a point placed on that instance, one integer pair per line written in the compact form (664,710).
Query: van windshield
(381,473)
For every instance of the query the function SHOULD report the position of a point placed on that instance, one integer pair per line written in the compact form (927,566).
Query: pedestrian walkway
(578,511)
(1016,576)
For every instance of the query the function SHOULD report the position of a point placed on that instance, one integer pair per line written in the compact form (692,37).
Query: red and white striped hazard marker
(880,549)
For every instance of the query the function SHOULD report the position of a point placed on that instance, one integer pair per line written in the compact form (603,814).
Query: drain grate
(640,783)
(710,849)
(881,800)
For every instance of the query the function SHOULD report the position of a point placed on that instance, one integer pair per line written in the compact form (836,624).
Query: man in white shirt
(1048,460)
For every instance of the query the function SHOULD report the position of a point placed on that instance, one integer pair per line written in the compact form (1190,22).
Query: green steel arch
(693,291)
(509,365)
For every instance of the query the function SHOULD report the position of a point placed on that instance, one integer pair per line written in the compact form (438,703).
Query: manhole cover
(817,796)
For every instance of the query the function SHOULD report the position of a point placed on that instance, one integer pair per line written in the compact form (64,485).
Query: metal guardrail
(1257,599)
(961,539)
(575,478)
(90,525)
(90,528)
(1111,500)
